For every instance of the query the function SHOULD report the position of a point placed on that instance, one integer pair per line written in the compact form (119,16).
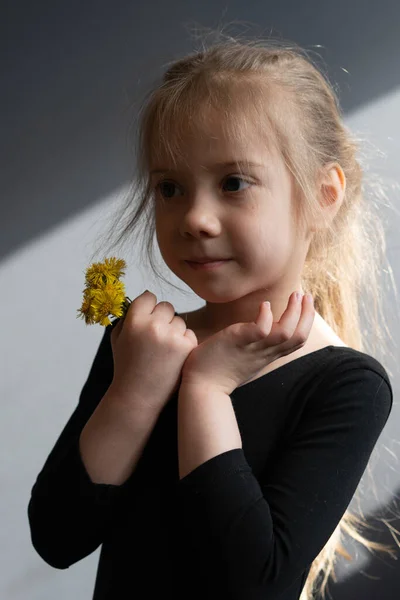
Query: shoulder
(345,358)
(354,380)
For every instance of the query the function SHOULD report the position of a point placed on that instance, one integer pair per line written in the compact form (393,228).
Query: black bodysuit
(244,525)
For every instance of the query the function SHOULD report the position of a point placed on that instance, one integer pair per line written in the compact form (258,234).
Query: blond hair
(248,80)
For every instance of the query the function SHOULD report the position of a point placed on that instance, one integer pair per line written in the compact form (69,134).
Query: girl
(214,454)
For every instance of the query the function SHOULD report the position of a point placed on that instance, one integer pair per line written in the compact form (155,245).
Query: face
(208,206)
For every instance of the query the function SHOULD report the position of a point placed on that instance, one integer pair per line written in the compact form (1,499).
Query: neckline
(295,360)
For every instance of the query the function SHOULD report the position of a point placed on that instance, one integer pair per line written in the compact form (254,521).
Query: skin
(202,208)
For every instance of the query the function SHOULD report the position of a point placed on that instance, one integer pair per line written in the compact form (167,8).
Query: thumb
(265,318)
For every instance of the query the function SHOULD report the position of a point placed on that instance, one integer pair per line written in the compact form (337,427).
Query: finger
(282,330)
(189,333)
(253,333)
(265,318)
(303,328)
(290,318)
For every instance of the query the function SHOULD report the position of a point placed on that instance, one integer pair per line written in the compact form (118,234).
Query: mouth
(207,265)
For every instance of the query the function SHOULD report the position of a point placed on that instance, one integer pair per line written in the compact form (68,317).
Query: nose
(201,219)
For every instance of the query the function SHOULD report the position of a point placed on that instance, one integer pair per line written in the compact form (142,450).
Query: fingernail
(309,298)
(298,296)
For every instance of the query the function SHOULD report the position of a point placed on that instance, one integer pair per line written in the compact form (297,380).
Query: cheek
(256,236)
(162,241)
(264,245)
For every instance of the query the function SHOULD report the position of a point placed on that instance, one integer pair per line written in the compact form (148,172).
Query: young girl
(214,454)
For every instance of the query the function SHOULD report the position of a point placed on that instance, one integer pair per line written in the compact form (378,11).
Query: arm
(207,426)
(74,497)
(113,440)
(263,534)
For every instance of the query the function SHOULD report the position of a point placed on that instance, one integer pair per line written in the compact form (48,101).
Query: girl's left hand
(234,355)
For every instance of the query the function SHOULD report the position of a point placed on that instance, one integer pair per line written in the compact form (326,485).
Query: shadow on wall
(69,71)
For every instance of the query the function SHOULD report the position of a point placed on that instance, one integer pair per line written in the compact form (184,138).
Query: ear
(333,184)
(331,191)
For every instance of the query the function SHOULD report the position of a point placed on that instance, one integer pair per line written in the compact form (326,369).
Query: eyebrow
(219,165)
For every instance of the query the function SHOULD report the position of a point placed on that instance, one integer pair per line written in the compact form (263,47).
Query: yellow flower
(104,293)
(111,267)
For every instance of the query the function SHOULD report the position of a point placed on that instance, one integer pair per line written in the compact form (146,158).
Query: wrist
(130,404)
(201,387)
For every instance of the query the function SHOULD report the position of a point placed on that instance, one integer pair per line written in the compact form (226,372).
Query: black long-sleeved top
(244,525)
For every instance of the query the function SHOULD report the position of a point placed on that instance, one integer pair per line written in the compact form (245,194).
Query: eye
(167,188)
(235,180)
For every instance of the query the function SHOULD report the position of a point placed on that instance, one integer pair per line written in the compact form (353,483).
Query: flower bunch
(104,293)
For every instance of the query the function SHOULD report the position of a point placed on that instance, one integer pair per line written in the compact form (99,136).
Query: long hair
(278,86)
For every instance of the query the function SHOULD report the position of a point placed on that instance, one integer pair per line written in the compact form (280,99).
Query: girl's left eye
(168,188)
(235,179)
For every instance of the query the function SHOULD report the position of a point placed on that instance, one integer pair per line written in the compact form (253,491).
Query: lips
(207,260)
(207,266)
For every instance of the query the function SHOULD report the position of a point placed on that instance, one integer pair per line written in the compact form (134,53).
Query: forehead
(210,137)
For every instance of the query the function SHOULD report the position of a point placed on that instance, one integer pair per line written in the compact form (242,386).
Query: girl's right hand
(150,346)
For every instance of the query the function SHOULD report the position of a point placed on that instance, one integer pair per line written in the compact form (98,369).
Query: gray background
(69,71)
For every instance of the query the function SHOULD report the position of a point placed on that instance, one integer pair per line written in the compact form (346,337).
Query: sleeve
(68,513)
(264,533)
